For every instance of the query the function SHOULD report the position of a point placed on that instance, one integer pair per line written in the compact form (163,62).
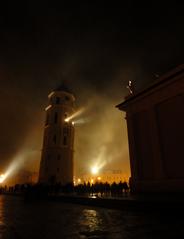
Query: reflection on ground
(56,220)
(91,224)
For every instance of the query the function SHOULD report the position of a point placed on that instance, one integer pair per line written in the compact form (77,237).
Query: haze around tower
(96,49)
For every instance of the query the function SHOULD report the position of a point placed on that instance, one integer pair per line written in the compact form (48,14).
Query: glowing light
(99,178)
(92,180)
(81,121)
(14,166)
(48,107)
(75,114)
(100,161)
(2,178)
(52,93)
(73,122)
(78,180)
(94,170)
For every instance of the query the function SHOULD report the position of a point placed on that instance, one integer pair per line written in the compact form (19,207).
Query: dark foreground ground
(48,219)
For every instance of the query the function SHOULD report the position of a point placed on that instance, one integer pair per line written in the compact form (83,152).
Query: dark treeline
(44,190)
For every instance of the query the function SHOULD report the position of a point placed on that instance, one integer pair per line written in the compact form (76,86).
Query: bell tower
(56,164)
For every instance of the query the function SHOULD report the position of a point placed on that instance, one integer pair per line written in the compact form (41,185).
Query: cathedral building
(56,164)
(155,123)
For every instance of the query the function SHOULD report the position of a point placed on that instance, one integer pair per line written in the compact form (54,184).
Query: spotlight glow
(16,164)
(94,170)
(100,161)
(2,178)
(81,121)
(75,114)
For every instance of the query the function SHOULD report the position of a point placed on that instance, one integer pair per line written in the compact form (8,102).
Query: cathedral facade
(155,123)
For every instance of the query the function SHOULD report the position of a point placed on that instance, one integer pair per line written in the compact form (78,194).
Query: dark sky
(96,49)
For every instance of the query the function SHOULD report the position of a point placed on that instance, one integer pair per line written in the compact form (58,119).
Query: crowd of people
(43,190)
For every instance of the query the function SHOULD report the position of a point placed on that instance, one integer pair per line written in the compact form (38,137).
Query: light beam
(2,178)
(79,112)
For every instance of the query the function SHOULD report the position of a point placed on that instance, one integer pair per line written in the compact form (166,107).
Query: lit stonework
(56,164)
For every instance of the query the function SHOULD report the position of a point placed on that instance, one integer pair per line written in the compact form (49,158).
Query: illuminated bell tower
(56,164)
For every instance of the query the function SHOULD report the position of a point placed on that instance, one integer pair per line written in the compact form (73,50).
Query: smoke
(22,117)
(102,139)
(100,129)
(96,51)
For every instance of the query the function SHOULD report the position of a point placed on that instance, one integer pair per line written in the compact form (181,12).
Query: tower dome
(63,87)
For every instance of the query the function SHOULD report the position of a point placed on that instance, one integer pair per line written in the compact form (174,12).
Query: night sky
(95,49)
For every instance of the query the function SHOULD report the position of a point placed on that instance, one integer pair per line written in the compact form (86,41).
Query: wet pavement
(53,220)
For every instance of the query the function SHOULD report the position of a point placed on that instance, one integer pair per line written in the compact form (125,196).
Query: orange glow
(94,170)
(48,107)
(77,113)
(2,178)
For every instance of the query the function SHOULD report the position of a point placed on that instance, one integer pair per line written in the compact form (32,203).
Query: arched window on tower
(55,117)
(54,139)
(65,115)
(65,130)
(57,100)
(67,98)
(65,140)
(65,134)
(47,119)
